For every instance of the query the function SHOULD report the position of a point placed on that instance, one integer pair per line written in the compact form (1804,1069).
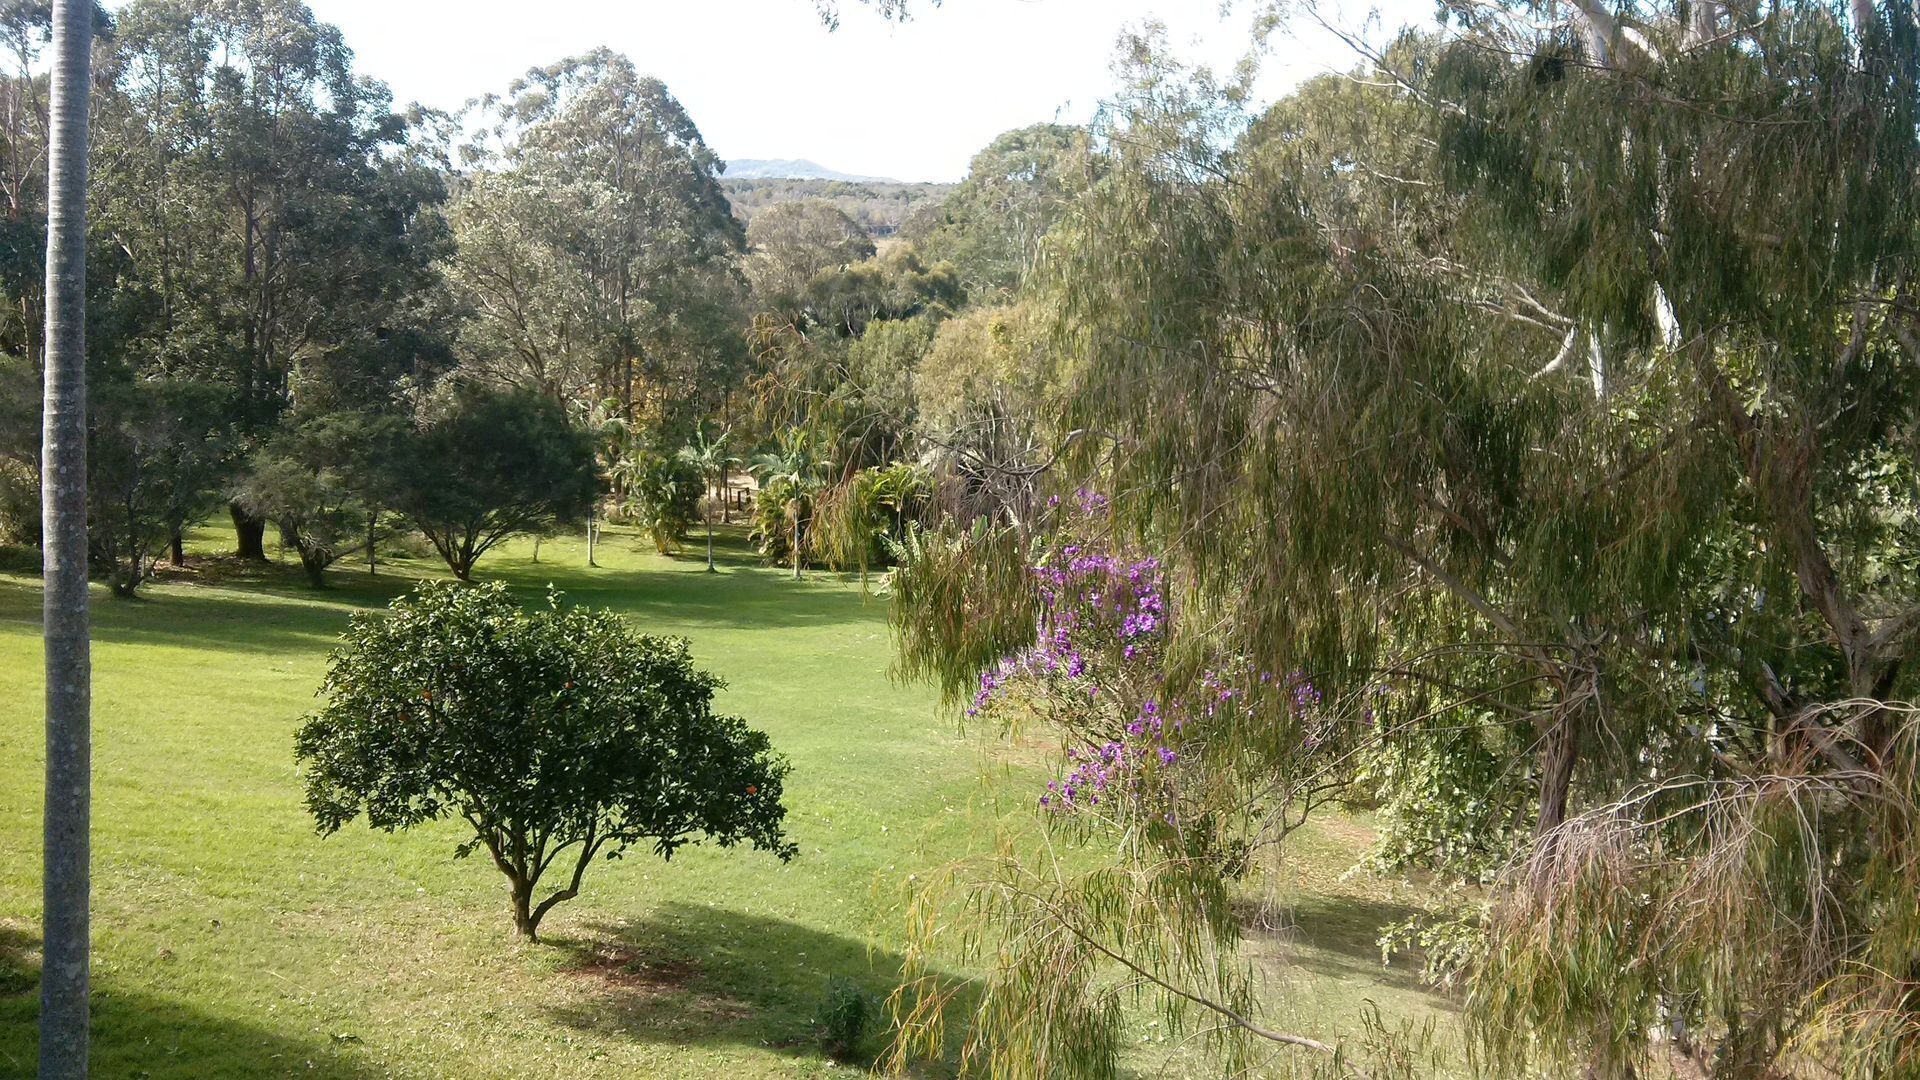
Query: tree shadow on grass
(139,1035)
(1339,937)
(696,975)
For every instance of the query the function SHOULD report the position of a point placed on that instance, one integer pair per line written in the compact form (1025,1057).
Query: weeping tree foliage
(1552,378)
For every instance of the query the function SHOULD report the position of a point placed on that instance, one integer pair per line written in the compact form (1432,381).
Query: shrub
(844,1019)
(558,734)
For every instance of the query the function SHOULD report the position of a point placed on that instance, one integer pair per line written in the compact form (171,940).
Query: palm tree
(712,461)
(63,969)
(900,486)
(796,466)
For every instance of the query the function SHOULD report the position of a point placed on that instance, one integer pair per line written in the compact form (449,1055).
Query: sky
(764,79)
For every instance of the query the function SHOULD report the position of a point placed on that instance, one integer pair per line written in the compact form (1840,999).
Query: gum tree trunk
(250,534)
(63,973)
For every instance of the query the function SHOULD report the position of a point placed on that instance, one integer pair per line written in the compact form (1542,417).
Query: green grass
(232,941)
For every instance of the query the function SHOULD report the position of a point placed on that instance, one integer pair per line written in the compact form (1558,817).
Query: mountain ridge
(792,169)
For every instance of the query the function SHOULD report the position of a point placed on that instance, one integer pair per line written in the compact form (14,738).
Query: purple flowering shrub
(1137,739)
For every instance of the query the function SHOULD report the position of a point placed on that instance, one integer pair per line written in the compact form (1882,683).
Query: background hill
(881,206)
(790,169)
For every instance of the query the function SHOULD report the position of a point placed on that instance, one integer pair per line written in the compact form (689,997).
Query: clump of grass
(845,1019)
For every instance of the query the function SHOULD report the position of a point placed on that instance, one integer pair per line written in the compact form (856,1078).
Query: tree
(790,243)
(558,735)
(280,228)
(991,225)
(660,492)
(789,477)
(1496,386)
(488,464)
(710,457)
(65,885)
(596,245)
(160,456)
(321,480)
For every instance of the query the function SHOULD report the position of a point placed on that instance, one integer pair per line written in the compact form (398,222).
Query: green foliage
(790,476)
(323,480)
(845,1019)
(596,245)
(1547,374)
(157,459)
(991,226)
(660,493)
(791,242)
(488,464)
(558,735)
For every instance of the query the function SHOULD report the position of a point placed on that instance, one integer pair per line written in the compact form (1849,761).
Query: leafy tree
(488,464)
(558,735)
(159,457)
(991,225)
(793,242)
(322,480)
(790,475)
(279,228)
(711,459)
(1498,387)
(596,244)
(660,492)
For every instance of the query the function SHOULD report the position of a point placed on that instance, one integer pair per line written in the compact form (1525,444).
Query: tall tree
(597,248)
(66,885)
(281,228)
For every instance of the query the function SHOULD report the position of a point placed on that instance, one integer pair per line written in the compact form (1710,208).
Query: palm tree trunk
(710,568)
(63,971)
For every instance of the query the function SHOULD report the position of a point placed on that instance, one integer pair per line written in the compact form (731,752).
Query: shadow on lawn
(692,974)
(1338,937)
(142,1036)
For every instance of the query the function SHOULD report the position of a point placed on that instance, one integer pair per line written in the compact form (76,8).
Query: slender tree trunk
(1559,755)
(796,548)
(177,547)
(250,534)
(524,922)
(536,547)
(593,534)
(63,507)
(373,556)
(726,496)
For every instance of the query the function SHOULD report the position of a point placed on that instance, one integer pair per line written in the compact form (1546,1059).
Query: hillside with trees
(1460,515)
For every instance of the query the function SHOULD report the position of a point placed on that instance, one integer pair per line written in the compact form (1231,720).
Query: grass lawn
(231,941)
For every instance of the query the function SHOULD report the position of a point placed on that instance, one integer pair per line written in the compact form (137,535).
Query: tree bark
(69,674)
(176,547)
(250,534)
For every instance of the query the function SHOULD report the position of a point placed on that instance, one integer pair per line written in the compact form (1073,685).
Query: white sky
(763,78)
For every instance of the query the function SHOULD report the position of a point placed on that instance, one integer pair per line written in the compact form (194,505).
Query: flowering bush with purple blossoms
(1097,671)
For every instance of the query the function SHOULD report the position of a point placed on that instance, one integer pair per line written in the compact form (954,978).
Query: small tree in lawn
(489,464)
(710,457)
(558,735)
(794,470)
(322,481)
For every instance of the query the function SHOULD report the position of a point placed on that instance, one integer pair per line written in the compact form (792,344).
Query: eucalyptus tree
(273,214)
(1016,188)
(1551,380)
(595,240)
(791,242)
(65,881)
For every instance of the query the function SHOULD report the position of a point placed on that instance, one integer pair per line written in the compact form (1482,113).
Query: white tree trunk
(63,971)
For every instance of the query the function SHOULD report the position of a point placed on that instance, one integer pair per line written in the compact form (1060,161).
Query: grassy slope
(232,942)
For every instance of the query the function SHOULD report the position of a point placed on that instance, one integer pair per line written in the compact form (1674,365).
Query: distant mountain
(771,169)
